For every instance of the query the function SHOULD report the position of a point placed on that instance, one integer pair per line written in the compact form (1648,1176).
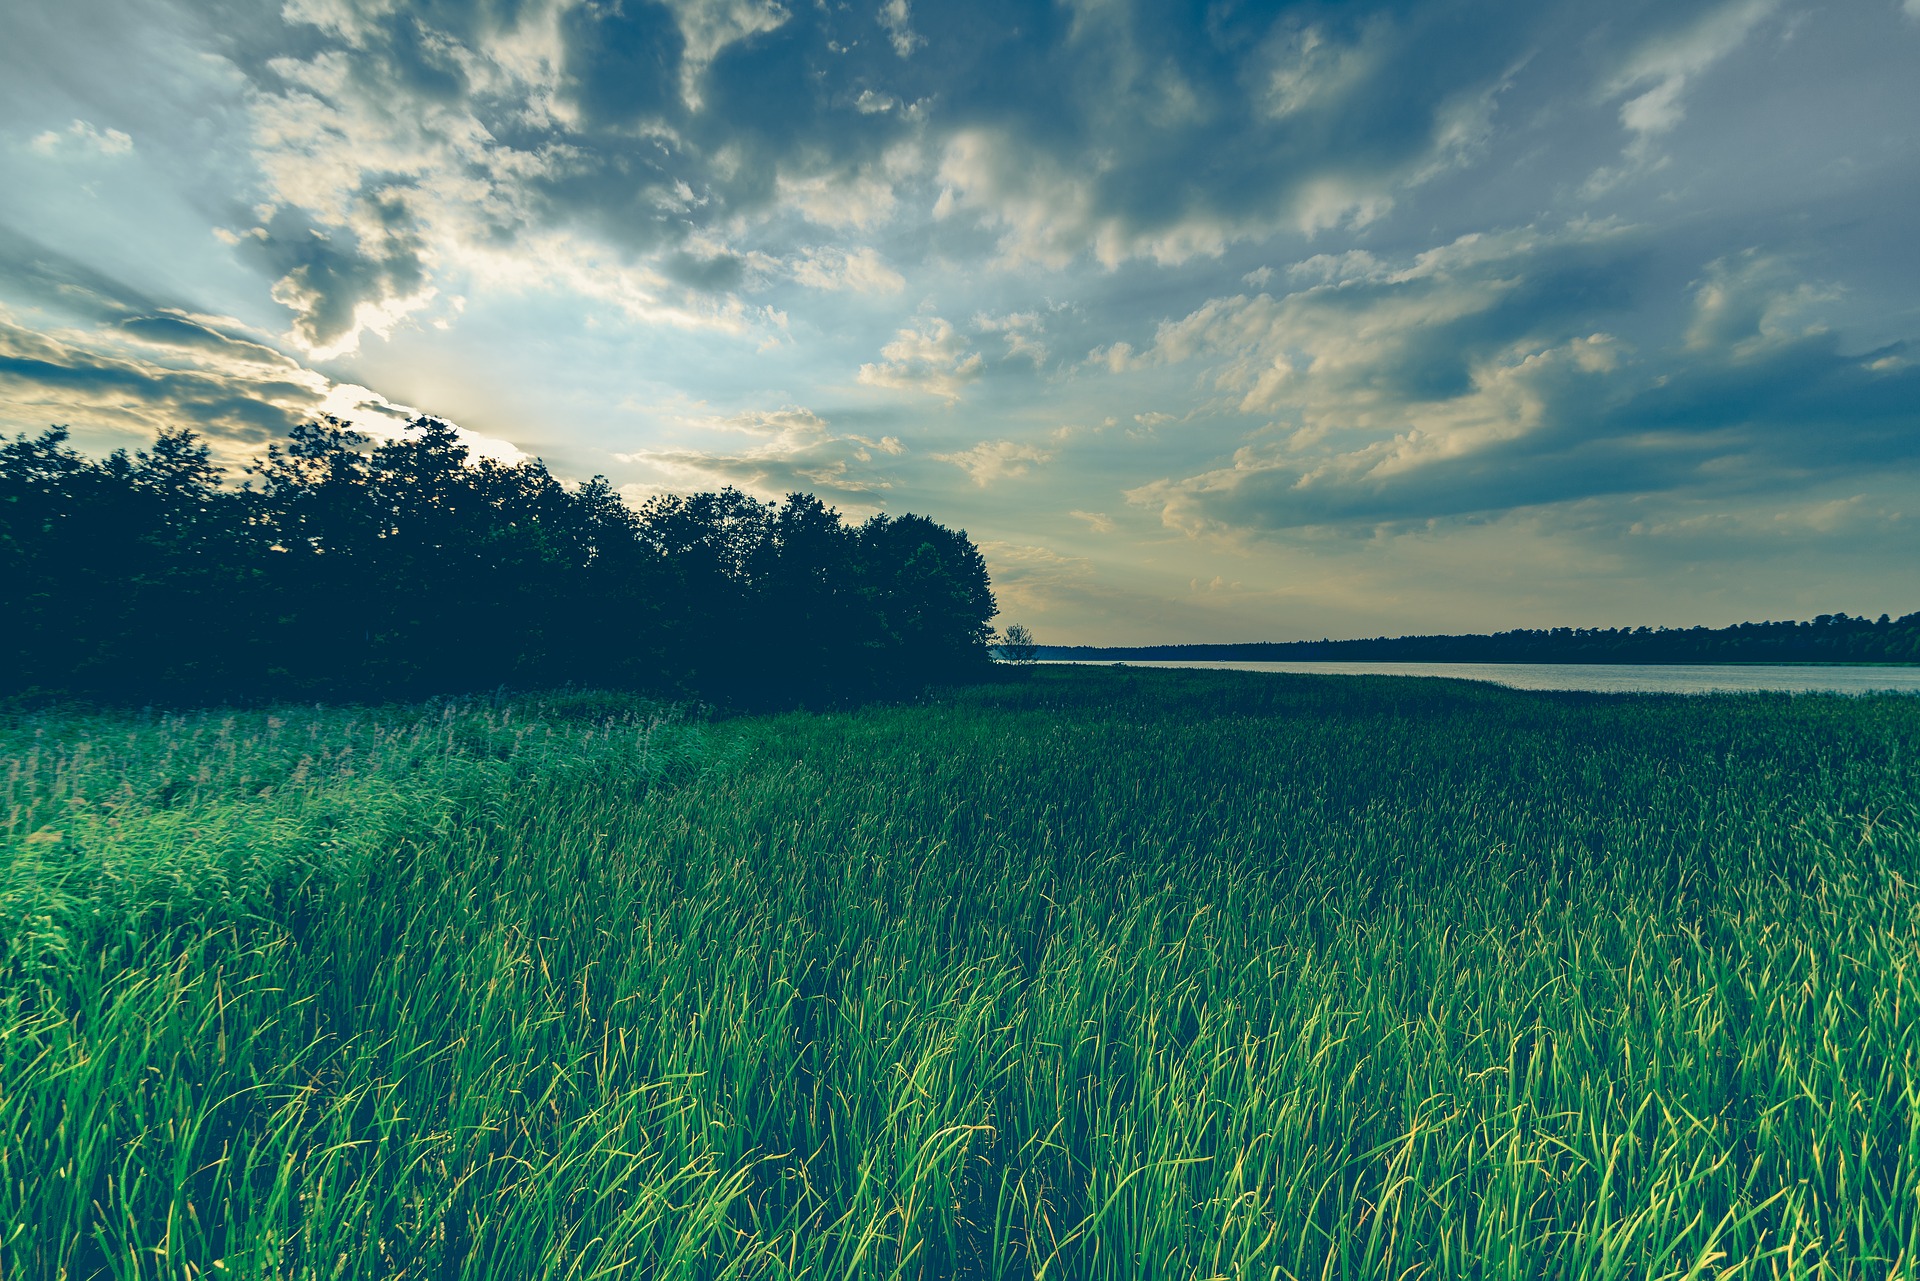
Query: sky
(1208,322)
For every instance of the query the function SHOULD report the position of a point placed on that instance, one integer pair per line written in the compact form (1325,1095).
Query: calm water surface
(1677,678)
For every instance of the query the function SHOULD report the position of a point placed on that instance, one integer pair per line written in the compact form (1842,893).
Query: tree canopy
(342,568)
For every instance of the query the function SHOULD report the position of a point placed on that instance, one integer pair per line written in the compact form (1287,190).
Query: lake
(1607,678)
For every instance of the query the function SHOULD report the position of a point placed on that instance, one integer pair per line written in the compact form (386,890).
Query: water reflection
(1676,678)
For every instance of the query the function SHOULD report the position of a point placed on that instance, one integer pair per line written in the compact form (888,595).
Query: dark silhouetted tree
(1017,644)
(346,568)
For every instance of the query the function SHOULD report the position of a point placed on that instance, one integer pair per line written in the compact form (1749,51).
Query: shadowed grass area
(1095,974)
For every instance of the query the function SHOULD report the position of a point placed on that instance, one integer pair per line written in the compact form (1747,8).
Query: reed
(1094,974)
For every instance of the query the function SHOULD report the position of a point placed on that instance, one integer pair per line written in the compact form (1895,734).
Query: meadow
(1093,974)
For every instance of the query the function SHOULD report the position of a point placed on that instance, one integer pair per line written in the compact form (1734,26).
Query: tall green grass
(1099,974)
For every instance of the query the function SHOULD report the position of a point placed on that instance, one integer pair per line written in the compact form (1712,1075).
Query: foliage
(1102,974)
(1016,644)
(344,570)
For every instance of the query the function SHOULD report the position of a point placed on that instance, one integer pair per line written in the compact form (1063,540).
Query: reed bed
(1093,974)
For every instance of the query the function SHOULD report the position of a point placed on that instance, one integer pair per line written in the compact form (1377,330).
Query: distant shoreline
(1061,654)
(1591,678)
(1829,639)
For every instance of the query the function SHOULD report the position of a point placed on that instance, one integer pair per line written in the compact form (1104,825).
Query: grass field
(1096,974)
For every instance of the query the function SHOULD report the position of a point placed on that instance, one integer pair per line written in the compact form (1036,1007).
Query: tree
(348,569)
(1016,644)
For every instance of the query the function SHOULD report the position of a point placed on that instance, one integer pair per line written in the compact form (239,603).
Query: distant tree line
(1830,638)
(342,569)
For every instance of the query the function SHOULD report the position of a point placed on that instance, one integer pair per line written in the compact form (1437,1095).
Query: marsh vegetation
(1090,974)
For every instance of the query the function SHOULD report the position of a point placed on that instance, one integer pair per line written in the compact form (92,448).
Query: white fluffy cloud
(1656,75)
(1658,72)
(858,200)
(930,358)
(898,20)
(859,270)
(992,461)
(709,26)
(82,137)
(1021,329)
(1333,352)
(381,201)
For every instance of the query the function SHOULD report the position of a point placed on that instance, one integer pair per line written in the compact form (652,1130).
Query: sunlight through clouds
(1334,303)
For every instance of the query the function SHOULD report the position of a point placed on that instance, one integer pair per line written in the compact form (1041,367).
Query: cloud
(1660,69)
(121,362)
(793,449)
(1460,382)
(929,358)
(1099,522)
(339,291)
(991,461)
(1658,72)
(1373,334)
(1035,579)
(1312,70)
(381,419)
(364,201)
(895,19)
(204,333)
(157,372)
(1021,330)
(409,162)
(1749,302)
(1049,214)
(650,157)
(92,352)
(91,379)
(708,26)
(82,137)
(858,200)
(1328,123)
(859,270)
